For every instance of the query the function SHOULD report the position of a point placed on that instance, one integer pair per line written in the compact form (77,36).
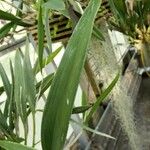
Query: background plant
(132,18)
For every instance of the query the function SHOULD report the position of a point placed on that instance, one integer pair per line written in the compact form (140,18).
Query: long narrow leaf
(40,36)
(7,145)
(4,128)
(12,110)
(47,60)
(102,97)
(120,12)
(29,81)
(7,87)
(91,130)
(8,16)
(20,94)
(98,33)
(3,125)
(19,87)
(62,93)
(5,29)
(81,109)
(6,83)
(84,102)
(45,84)
(47,30)
(2,89)
(55,5)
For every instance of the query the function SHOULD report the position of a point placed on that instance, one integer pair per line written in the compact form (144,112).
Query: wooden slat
(61,22)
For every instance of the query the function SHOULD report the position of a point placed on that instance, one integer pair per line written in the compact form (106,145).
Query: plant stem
(25,133)
(34,128)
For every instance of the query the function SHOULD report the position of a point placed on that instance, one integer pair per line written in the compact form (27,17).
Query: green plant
(132,18)
(22,106)
(23,91)
(22,95)
(62,92)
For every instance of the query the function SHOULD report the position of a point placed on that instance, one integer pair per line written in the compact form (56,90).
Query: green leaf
(146,7)
(7,145)
(51,56)
(97,33)
(146,11)
(93,131)
(84,102)
(65,13)
(54,5)
(47,30)
(7,87)
(6,83)
(84,98)
(44,84)
(12,110)
(47,60)
(60,100)
(3,125)
(76,6)
(120,12)
(2,89)
(20,95)
(4,128)
(41,34)
(102,97)
(5,29)
(81,109)
(29,80)
(8,16)
(19,87)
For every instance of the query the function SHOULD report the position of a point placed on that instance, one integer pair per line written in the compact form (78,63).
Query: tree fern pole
(75,17)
